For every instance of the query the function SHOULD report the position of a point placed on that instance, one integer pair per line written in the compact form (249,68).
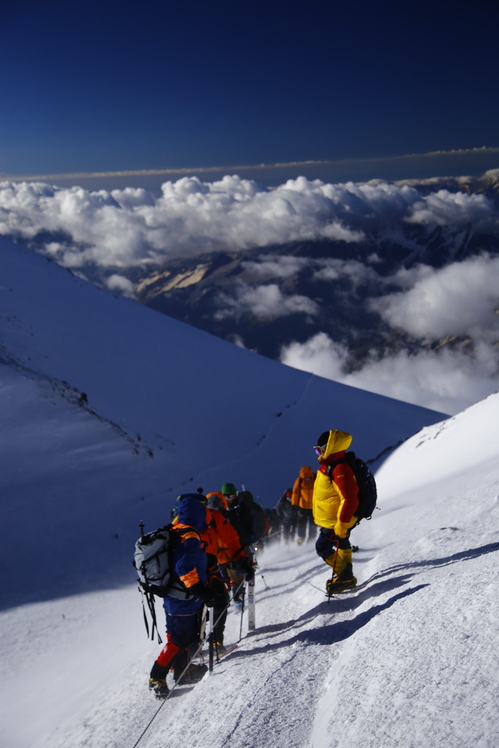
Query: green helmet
(229,489)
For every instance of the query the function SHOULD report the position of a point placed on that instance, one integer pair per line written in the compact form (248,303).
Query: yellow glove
(341,529)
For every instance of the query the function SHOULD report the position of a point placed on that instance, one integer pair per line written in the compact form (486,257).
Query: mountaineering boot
(299,541)
(157,681)
(219,647)
(340,582)
(159,687)
(193,674)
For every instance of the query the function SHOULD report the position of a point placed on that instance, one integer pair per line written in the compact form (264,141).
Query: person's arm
(346,485)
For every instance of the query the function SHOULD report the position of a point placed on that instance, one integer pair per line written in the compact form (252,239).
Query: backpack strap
(184,532)
(152,611)
(347,459)
(328,469)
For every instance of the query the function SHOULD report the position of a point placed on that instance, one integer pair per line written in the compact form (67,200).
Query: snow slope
(167,408)
(407,659)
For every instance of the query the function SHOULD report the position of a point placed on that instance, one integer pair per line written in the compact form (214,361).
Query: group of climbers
(212,557)
(293,511)
(217,534)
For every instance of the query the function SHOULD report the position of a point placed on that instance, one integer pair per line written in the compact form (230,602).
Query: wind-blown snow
(409,658)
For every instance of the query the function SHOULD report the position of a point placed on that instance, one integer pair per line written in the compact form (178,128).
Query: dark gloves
(247,568)
(204,593)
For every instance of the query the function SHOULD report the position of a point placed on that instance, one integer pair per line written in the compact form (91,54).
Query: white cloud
(459,299)
(130,227)
(274,266)
(121,284)
(282,267)
(319,355)
(264,302)
(330,269)
(458,209)
(442,380)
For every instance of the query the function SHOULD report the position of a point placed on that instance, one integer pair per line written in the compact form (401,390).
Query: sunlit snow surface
(407,659)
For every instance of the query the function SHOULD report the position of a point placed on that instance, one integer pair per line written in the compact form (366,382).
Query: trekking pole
(265,583)
(251,604)
(242,612)
(205,615)
(212,634)
(210,650)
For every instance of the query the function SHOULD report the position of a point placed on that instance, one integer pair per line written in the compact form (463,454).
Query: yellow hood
(338,441)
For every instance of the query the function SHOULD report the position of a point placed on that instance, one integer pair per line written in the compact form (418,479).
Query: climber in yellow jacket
(302,497)
(335,501)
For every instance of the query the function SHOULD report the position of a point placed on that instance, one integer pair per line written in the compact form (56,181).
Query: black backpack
(259,525)
(368,494)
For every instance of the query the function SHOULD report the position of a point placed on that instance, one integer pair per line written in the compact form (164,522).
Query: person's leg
(187,636)
(337,553)
(219,610)
(159,671)
(312,527)
(301,526)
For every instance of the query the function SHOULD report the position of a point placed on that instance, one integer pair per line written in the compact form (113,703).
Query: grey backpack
(152,560)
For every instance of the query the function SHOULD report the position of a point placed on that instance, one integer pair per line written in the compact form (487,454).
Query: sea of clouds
(458,301)
(131,228)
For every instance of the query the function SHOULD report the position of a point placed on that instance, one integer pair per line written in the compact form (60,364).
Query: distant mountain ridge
(203,290)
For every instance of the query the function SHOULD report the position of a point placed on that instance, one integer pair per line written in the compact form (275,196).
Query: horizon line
(262,167)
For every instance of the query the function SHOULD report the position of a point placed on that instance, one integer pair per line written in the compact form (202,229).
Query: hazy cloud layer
(264,302)
(332,269)
(268,267)
(269,301)
(442,380)
(460,300)
(130,227)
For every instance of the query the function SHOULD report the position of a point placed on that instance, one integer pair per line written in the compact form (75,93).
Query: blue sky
(110,87)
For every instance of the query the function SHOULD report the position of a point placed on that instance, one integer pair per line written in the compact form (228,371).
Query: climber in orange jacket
(302,497)
(223,546)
